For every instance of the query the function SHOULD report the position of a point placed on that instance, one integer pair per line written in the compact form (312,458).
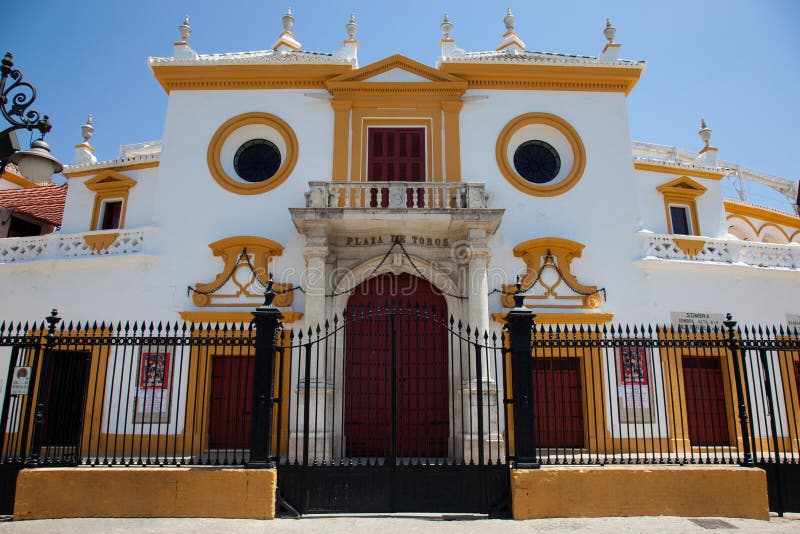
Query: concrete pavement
(427,524)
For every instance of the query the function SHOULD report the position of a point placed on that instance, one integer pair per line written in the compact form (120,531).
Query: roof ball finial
(446,26)
(185,29)
(288,20)
(509,19)
(610,31)
(352,26)
(705,132)
(87,129)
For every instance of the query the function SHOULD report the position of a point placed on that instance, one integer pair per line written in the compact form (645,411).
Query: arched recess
(396,394)
(742,228)
(772,233)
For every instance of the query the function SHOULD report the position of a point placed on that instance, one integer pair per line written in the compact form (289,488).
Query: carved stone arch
(395,264)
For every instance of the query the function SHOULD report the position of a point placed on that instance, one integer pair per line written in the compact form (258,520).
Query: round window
(257,160)
(537,162)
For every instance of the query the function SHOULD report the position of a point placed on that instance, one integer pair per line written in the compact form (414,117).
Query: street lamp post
(37,164)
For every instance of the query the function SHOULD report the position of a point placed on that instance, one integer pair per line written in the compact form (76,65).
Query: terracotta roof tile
(45,203)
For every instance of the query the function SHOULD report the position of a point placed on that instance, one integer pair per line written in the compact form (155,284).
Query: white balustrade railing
(396,195)
(702,249)
(66,246)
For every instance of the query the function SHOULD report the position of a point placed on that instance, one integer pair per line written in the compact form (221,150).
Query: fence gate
(392,408)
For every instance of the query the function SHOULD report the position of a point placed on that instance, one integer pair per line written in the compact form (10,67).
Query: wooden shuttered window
(396,155)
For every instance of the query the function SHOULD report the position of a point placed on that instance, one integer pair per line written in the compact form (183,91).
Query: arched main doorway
(396,370)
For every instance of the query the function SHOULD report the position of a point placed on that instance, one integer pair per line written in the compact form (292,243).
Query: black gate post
(740,367)
(520,323)
(267,319)
(38,418)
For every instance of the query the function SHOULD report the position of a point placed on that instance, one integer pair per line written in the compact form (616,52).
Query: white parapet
(68,246)
(697,249)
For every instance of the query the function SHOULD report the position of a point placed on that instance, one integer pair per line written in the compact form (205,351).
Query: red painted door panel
(409,391)
(558,406)
(707,417)
(231,400)
(396,155)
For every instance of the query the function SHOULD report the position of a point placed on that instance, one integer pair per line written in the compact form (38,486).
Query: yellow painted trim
(681,171)
(564,251)
(545,77)
(611,45)
(563,318)
(763,214)
(690,247)
(287,317)
(251,76)
(116,168)
(765,226)
(688,491)
(341,138)
(452,140)
(230,249)
(100,242)
(553,121)
(214,154)
(396,61)
(682,191)
(17,179)
(109,185)
(53,493)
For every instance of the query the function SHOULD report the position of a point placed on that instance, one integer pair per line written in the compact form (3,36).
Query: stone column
(314,392)
(480,396)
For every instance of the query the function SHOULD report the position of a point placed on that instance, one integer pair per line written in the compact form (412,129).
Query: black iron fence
(401,386)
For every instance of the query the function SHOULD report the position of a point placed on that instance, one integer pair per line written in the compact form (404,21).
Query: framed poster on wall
(152,395)
(633,390)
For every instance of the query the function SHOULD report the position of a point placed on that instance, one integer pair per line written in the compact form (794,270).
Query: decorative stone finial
(83,151)
(288,20)
(185,29)
(511,43)
(286,41)
(447,27)
(351,27)
(705,132)
(87,129)
(610,31)
(508,20)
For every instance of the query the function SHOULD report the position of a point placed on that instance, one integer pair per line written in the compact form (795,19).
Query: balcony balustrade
(396,195)
(728,251)
(67,246)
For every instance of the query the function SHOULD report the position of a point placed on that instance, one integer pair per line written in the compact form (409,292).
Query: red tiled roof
(45,203)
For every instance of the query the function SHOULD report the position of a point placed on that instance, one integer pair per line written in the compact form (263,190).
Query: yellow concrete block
(145,492)
(689,491)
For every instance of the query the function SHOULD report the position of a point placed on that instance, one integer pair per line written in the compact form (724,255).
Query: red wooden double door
(396,369)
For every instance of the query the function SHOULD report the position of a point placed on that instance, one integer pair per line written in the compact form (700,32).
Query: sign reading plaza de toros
(388,239)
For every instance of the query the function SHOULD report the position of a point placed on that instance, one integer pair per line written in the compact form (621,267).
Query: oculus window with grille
(537,162)
(257,160)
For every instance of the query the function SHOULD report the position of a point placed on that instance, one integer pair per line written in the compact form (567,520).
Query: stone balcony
(674,249)
(57,246)
(432,206)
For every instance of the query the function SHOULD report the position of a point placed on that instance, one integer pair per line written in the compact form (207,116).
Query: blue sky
(734,62)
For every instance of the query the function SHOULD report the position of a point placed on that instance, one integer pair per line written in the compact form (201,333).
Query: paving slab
(413,524)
